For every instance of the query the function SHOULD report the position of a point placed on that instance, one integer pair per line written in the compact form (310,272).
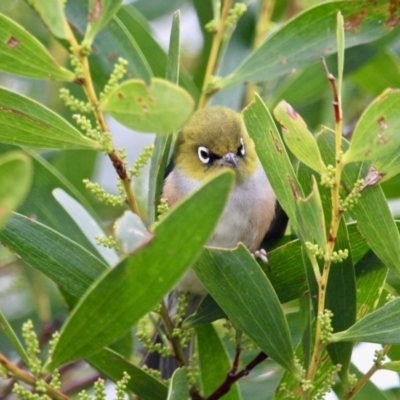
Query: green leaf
(8,331)
(391,366)
(88,225)
(310,35)
(116,39)
(162,144)
(377,226)
(179,386)
(240,287)
(161,107)
(381,326)
(52,15)
(285,270)
(340,49)
(141,383)
(129,231)
(139,27)
(272,154)
(22,54)
(100,13)
(375,135)
(15,181)
(371,277)
(66,263)
(341,299)
(298,138)
(375,222)
(45,179)
(310,218)
(370,78)
(27,123)
(138,283)
(214,362)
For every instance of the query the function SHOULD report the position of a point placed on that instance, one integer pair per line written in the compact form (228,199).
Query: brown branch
(21,375)
(232,377)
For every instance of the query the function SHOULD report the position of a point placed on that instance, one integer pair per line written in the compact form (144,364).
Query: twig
(333,229)
(19,374)
(365,378)
(114,156)
(215,47)
(232,377)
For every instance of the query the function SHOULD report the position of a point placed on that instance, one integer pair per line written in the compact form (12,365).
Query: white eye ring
(242,149)
(204,154)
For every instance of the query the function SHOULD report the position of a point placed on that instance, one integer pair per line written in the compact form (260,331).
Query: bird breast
(247,215)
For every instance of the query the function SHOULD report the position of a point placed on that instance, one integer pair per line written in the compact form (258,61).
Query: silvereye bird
(214,139)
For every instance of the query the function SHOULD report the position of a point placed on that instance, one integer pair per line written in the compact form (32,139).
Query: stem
(333,229)
(213,58)
(19,374)
(88,87)
(232,377)
(365,378)
(175,342)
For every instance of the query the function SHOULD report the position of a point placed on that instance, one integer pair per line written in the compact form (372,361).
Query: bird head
(214,139)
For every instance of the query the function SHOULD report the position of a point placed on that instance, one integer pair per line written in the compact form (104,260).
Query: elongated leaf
(242,290)
(214,362)
(179,386)
(298,138)
(392,366)
(377,226)
(52,15)
(8,331)
(371,277)
(304,39)
(375,222)
(69,265)
(159,108)
(100,13)
(162,144)
(27,123)
(115,40)
(22,54)
(376,133)
(15,180)
(86,223)
(341,299)
(370,76)
(139,282)
(45,180)
(310,218)
(272,154)
(381,326)
(141,383)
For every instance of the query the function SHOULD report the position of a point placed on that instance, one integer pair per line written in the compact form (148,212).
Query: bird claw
(262,255)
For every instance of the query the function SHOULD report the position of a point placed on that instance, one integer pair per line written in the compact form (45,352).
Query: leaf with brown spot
(298,138)
(25,122)
(302,40)
(376,137)
(161,107)
(52,15)
(22,54)
(100,13)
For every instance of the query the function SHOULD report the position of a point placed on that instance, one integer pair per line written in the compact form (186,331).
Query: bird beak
(229,159)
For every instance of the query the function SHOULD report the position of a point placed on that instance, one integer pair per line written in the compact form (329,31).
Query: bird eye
(241,151)
(204,154)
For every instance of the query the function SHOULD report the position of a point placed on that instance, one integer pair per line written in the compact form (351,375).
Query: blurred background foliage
(369,69)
